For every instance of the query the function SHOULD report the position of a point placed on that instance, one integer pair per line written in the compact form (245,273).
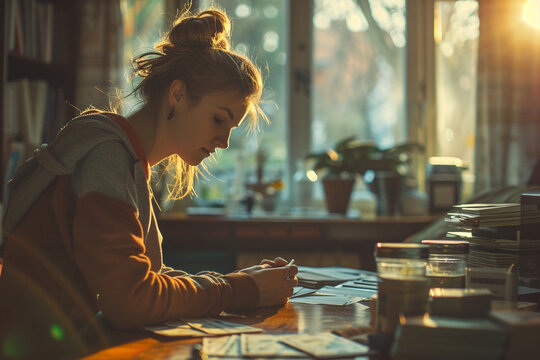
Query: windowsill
(201,213)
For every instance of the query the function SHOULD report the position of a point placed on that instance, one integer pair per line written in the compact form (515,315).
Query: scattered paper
(268,346)
(325,345)
(181,330)
(221,327)
(301,291)
(338,300)
(223,346)
(200,328)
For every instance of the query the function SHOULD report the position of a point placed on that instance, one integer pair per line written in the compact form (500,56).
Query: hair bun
(209,29)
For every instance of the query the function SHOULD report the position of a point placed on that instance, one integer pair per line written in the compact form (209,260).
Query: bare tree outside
(359,60)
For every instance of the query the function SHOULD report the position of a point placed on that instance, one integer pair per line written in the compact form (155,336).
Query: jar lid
(447,246)
(402,251)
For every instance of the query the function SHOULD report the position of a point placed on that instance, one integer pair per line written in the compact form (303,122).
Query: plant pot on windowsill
(352,157)
(337,193)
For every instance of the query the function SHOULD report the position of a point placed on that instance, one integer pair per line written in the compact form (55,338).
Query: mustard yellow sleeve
(110,252)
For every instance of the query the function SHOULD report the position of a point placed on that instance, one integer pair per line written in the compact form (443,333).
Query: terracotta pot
(337,193)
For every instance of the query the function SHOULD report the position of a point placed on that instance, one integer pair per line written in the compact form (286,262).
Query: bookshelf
(39,42)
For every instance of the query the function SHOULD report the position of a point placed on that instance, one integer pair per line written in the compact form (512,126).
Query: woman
(81,233)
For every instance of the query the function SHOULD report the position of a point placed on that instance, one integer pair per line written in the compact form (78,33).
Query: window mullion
(300,60)
(421,96)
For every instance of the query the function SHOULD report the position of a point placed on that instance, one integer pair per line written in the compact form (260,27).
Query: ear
(176,92)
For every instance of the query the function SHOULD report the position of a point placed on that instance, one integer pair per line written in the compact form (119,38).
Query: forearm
(109,250)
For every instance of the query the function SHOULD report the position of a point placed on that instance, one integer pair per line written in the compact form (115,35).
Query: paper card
(347,291)
(301,291)
(267,346)
(337,300)
(223,346)
(325,345)
(179,329)
(221,327)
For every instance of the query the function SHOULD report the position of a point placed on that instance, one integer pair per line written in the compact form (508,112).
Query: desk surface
(291,318)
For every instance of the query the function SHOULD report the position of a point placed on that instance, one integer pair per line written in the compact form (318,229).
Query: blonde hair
(196,50)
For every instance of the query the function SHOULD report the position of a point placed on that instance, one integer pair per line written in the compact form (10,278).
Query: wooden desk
(243,234)
(291,318)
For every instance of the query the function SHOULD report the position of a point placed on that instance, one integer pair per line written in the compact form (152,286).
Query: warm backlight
(531,13)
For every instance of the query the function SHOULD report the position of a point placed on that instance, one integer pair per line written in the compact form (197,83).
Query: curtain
(508,96)
(101,53)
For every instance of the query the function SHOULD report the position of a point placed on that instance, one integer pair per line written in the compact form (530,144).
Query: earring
(171,114)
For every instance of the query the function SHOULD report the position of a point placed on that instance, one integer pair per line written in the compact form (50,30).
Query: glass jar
(447,263)
(403,286)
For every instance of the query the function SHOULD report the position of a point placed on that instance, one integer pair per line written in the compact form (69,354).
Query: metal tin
(402,251)
(447,247)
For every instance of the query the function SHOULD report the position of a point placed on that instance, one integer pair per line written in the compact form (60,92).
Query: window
(383,70)
(456,50)
(258,32)
(358,72)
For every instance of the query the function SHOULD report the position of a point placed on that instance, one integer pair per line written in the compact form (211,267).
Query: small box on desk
(466,303)
(502,283)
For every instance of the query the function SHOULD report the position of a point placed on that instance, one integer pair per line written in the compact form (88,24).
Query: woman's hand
(277,262)
(275,284)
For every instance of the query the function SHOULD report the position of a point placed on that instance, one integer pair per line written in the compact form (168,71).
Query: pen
(290,263)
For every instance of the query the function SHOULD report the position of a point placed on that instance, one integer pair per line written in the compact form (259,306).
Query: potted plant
(337,167)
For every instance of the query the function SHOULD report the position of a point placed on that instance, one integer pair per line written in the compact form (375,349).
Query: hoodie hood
(71,145)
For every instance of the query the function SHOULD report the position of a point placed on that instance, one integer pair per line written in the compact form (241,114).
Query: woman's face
(197,129)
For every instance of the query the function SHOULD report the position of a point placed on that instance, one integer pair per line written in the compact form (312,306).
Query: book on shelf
(36,111)
(30,29)
(31,100)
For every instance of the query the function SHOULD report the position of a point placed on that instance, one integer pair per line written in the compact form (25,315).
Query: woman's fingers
(272,263)
(274,284)
(280,261)
(277,262)
(292,271)
(292,282)
(290,292)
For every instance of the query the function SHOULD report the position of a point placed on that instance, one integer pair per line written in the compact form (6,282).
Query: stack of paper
(493,215)
(501,243)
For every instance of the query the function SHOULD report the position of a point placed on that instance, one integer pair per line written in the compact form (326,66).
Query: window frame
(420,94)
